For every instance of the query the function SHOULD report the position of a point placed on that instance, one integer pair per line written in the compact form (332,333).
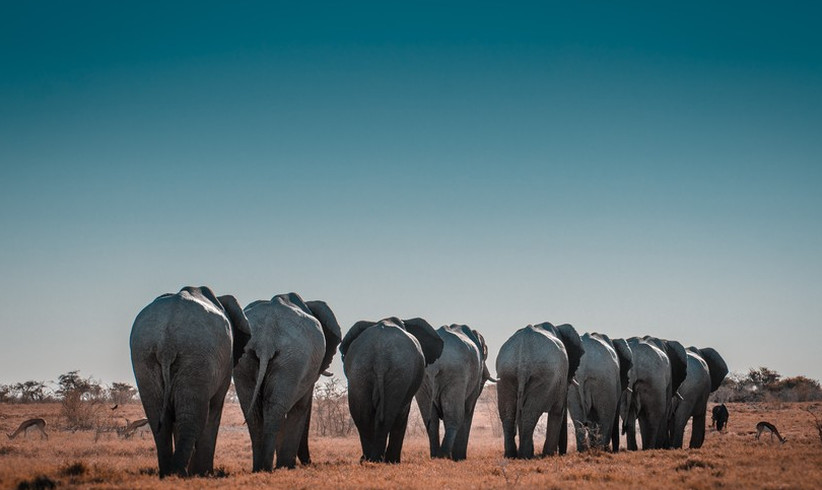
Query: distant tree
(31,391)
(6,393)
(71,384)
(763,377)
(121,393)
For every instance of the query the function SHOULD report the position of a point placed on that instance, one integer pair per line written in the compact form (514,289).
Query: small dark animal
(115,406)
(719,417)
(766,426)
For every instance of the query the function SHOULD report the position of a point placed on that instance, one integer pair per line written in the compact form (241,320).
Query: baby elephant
(719,417)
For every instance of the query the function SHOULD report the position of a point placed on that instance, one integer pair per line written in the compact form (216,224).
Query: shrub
(38,483)
(329,412)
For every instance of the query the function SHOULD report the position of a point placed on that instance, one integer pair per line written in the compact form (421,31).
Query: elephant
(292,342)
(384,363)
(534,368)
(183,348)
(658,369)
(450,389)
(706,370)
(594,401)
(719,416)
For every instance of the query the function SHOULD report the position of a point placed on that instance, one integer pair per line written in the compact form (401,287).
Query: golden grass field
(732,459)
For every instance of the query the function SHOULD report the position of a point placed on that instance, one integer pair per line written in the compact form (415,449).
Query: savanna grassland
(733,459)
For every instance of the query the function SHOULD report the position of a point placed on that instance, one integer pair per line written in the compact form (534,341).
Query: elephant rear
(533,373)
(385,365)
(594,401)
(181,351)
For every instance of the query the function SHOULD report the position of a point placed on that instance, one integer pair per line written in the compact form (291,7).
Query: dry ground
(731,459)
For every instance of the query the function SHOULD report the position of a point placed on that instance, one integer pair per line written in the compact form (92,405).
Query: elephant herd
(185,348)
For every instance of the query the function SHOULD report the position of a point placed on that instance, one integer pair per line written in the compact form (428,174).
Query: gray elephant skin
(292,342)
(534,368)
(658,369)
(593,402)
(450,389)
(706,370)
(183,348)
(385,363)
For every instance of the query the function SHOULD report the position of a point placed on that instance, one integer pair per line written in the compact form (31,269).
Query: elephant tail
(378,397)
(258,385)
(521,382)
(165,369)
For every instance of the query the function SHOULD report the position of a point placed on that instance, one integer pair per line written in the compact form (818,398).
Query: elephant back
(352,334)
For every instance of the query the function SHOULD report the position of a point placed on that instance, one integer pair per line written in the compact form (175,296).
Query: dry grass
(732,459)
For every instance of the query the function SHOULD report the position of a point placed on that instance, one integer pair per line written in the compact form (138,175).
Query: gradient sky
(643,169)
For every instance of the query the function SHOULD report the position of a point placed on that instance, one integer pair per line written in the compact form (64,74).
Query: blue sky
(642,169)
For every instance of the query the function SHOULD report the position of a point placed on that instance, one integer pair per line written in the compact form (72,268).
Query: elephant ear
(623,351)
(573,346)
(716,366)
(352,334)
(240,329)
(484,348)
(331,329)
(425,334)
(679,363)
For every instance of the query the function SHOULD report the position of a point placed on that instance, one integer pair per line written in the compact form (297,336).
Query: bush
(80,414)
(329,412)
(763,384)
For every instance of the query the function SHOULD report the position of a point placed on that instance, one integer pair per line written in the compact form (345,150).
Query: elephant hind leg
(303,452)
(649,432)
(202,462)
(507,406)
(615,434)
(292,432)
(556,426)
(165,449)
(187,430)
(432,428)
(454,415)
(527,424)
(396,437)
(460,450)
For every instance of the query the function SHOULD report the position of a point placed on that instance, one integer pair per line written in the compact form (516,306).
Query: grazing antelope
(765,426)
(24,428)
(132,427)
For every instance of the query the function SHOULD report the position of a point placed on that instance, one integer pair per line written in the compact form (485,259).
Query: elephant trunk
(486,375)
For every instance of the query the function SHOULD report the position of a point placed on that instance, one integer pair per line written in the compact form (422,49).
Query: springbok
(766,426)
(40,424)
(132,427)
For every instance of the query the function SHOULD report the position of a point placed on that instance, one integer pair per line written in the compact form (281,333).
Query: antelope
(132,427)
(765,426)
(40,424)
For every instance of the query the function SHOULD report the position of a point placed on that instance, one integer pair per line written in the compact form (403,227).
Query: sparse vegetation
(731,459)
(764,384)
(329,414)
